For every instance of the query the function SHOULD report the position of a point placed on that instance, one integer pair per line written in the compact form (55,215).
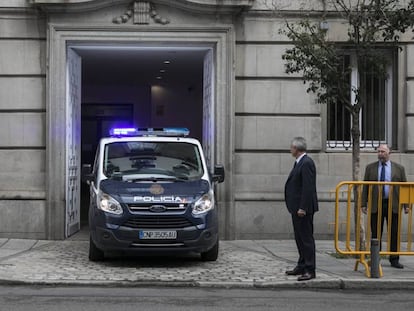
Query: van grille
(156,222)
(146,207)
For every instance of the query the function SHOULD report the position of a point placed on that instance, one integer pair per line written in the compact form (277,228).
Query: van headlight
(108,204)
(204,204)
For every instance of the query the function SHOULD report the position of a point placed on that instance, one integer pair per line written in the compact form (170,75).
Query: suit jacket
(300,187)
(371,174)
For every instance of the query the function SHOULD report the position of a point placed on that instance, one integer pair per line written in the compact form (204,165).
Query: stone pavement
(241,264)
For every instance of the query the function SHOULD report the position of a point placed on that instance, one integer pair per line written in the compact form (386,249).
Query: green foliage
(320,61)
(375,20)
(373,27)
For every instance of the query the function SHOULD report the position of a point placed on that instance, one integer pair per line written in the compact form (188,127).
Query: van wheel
(211,254)
(95,254)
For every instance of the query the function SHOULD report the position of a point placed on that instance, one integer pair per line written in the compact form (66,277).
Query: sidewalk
(241,263)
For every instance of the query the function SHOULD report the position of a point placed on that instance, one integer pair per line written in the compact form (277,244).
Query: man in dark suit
(302,202)
(384,170)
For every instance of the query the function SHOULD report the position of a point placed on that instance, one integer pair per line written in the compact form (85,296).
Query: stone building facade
(248,107)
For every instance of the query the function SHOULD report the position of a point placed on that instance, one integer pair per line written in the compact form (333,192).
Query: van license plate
(157,235)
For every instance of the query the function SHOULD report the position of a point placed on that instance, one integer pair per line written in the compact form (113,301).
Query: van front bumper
(127,240)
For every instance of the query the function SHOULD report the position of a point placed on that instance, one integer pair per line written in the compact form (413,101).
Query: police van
(151,193)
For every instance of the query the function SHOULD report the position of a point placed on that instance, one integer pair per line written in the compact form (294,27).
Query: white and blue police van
(151,193)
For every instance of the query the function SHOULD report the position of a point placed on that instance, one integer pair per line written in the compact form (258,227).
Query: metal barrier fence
(357,206)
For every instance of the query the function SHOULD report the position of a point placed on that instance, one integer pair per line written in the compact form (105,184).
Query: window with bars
(376,112)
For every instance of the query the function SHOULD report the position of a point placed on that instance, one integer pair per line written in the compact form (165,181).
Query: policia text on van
(151,193)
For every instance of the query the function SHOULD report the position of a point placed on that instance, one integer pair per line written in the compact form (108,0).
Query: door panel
(208,105)
(73,129)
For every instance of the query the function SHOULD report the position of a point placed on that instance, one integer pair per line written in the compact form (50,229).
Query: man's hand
(364,209)
(301,213)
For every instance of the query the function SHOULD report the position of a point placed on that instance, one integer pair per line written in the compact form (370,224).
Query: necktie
(382,178)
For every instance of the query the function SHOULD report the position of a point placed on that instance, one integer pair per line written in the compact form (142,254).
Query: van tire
(211,254)
(95,254)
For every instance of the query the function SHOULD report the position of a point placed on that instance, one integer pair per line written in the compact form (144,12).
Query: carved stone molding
(141,12)
(206,6)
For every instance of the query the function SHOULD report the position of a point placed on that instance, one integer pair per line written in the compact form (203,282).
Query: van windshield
(132,161)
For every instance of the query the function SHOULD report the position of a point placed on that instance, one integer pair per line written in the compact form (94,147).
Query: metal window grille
(373,118)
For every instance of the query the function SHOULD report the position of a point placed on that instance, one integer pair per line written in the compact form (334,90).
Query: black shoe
(295,271)
(397,265)
(307,276)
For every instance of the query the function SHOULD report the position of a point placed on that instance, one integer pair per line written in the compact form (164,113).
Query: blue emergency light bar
(150,131)
(122,131)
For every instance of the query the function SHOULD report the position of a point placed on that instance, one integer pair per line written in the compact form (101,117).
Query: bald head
(383,153)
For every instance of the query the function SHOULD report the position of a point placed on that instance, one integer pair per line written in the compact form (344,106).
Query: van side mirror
(218,175)
(86,174)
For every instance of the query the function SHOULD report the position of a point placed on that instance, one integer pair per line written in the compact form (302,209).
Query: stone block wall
(272,107)
(22,123)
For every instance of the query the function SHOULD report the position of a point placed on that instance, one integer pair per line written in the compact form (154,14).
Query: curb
(332,284)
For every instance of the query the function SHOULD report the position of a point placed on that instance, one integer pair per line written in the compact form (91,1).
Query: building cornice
(206,6)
